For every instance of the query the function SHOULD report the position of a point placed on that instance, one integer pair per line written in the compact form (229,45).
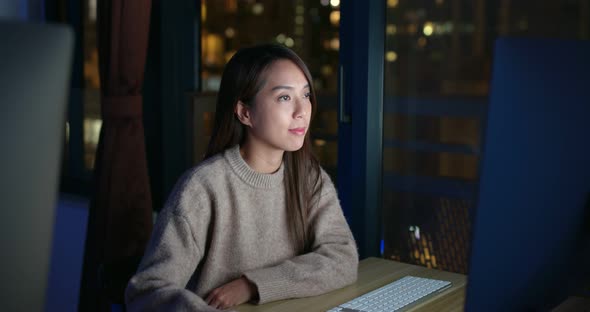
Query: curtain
(120,216)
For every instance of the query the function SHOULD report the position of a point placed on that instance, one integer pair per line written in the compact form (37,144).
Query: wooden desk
(374,273)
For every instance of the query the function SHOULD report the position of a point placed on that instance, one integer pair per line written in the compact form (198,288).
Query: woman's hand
(231,294)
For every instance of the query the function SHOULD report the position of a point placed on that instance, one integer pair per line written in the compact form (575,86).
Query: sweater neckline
(248,175)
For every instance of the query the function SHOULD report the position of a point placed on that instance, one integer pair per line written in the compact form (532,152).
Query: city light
(299,10)
(319,142)
(448,27)
(221,38)
(391,29)
(327,70)
(335,44)
(289,42)
(416,230)
(92,10)
(422,42)
(281,38)
(203,12)
(257,8)
(213,47)
(299,20)
(335,18)
(392,3)
(391,56)
(428,28)
(92,130)
(230,32)
(231,6)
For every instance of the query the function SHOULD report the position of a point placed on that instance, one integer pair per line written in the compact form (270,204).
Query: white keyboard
(394,296)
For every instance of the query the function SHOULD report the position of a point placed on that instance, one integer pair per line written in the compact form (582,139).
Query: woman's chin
(294,147)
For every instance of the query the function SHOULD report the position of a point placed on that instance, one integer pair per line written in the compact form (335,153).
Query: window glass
(438,57)
(91,91)
(309,27)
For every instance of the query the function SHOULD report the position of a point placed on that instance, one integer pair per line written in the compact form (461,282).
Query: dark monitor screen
(35,63)
(530,236)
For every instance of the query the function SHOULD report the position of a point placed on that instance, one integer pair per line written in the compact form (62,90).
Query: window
(83,123)
(309,27)
(91,89)
(437,71)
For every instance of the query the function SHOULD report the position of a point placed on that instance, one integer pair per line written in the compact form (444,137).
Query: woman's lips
(298,131)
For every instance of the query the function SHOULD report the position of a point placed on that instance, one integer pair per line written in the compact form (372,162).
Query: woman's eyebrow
(281,87)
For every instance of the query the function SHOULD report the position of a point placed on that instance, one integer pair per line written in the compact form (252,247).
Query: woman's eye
(284,98)
(307,95)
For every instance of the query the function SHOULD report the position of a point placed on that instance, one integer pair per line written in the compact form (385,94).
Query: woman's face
(280,115)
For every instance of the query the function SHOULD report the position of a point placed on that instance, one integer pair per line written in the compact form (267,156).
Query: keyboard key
(394,295)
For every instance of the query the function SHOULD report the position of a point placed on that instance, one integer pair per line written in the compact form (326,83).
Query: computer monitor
(530,238)
(35,65)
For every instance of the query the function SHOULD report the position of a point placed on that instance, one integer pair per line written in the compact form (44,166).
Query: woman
(258,220)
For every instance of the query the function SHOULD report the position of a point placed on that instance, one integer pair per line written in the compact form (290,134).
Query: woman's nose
(301,108)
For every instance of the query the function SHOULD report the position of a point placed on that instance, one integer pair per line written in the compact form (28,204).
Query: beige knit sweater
(222,221)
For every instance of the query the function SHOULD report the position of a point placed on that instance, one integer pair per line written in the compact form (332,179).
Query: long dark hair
(243,77)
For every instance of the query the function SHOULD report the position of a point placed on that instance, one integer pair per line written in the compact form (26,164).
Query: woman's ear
(242,111)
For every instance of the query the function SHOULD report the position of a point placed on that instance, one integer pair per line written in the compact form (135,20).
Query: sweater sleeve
(331,264)
(171,258)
